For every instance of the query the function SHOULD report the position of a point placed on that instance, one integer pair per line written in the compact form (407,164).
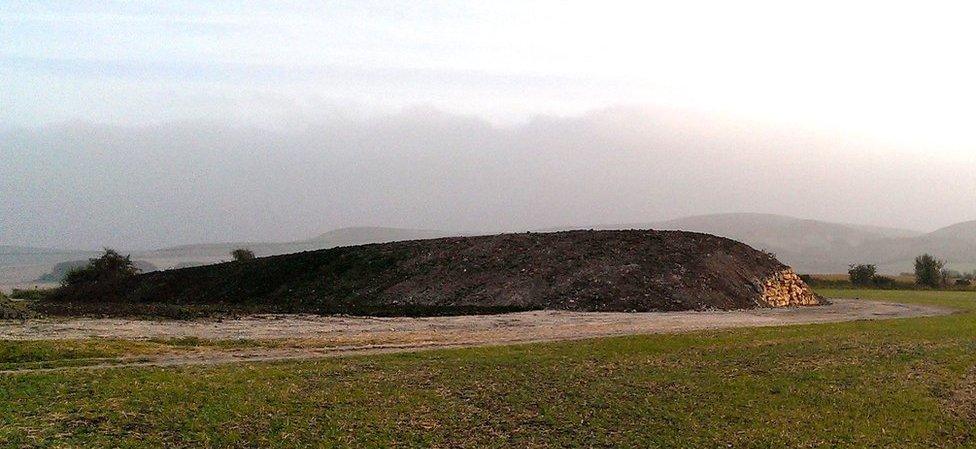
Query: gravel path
(325,336)
(539,324)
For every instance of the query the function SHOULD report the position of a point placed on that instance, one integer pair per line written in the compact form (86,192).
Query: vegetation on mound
(108,269)
(576,270)
(60,270)
(242,254)
(21,304)
(895,383)
(14,310)
(30,294)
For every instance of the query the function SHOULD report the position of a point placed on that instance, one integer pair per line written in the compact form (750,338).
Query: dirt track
(310,336)
(531,326)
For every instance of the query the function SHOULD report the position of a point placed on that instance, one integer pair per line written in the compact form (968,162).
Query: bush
(14,310)
(929,271)
(110,266)
(882,281)
(862,274)
(963,282)
(28,294)
(242,254)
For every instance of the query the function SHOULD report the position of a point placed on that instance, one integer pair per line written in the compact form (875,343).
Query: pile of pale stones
(786,288)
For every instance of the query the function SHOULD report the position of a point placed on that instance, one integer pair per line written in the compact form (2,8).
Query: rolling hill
(956,244)
(965,232)
(26,255)
(810,246)
(338,237)
(813,246)
(21,265)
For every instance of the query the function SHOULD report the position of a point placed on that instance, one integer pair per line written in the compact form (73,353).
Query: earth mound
(635,270)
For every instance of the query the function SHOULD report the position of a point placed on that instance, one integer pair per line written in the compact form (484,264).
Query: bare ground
(312,336)
(963,399)
(585,270)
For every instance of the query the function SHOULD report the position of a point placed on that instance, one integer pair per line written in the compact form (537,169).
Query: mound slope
(635,270)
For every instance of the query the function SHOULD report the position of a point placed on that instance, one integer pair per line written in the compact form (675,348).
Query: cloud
(84,185)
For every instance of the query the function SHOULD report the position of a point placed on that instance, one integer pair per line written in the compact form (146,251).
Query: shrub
(882,281)
(242,254)
(28,293)
(14,310)
(110,266)
(929,271)
(862,274)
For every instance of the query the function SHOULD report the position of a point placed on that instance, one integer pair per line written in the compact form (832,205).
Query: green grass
(19,355)
(32,294)
(962,300)
(892,383)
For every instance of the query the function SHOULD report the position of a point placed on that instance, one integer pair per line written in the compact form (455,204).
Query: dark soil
(633,270)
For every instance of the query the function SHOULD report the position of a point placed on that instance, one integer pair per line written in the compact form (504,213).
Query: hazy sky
(141,123)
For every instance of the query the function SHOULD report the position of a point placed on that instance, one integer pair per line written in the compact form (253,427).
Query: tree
(929,271)
(110,266)
(862,274)
(242,254)
(946,275)
(882,281)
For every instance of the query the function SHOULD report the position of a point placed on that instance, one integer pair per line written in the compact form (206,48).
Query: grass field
(897,383)
(904,279)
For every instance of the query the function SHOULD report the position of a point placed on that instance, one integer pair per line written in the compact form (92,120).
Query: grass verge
(893,383)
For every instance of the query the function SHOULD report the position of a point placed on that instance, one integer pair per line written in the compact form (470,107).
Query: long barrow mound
(635,270)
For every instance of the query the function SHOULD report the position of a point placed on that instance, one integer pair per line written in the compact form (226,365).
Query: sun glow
(895,70)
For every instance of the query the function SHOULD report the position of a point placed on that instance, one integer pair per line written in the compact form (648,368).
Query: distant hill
(363,235)
(339,237)
(212,252)
(21,264)
(810,246)
(27,255)
(786,231)
(813,246)
(887,232)
(965,231)
(956,244)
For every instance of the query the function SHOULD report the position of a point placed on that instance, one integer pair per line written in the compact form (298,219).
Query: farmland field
(897,383)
